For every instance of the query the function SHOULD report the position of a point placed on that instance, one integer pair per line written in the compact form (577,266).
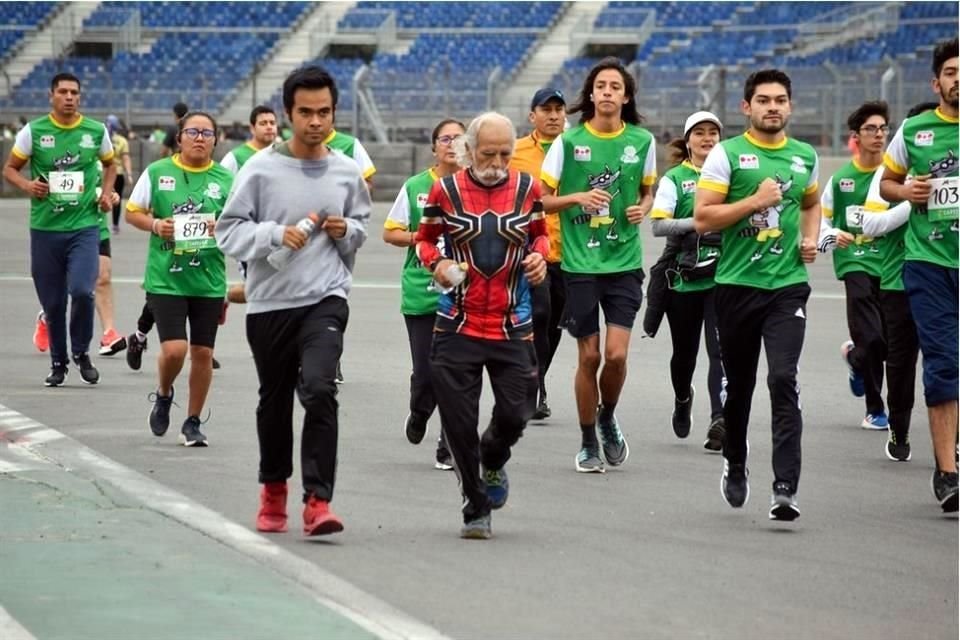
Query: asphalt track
(110,532)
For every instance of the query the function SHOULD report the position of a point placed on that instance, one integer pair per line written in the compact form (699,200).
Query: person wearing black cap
(548,116)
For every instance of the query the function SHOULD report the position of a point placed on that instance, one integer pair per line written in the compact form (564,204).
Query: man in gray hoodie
(296,315)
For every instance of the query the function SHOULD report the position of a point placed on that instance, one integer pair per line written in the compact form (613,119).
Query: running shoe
(854,378)
(415,429)
(112,343)
(135,349)
(318,519)
(160,414)
(339,377)
(57,375)
(683,415)
(783,503)
(944,485)
(615,448)
(272,516)
(88,372)
(543,409)
(41,339)
(875,422)
(477,529)
(588,460)
(190,435)
(444,461)
(498,486)
(715,435)
(215,363)
(734,485)
(897,449)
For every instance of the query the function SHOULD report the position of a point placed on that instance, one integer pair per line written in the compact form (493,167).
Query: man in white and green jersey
(65,151)
(858,258)
(418,294)
(598,177)
(177,200)
(926,146)
(760,190)
(263,131)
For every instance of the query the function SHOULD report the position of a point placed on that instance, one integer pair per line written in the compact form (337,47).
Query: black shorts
(105,247)
(171,313)
(618,294)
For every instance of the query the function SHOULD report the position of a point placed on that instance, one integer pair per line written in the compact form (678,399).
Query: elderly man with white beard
(492,220)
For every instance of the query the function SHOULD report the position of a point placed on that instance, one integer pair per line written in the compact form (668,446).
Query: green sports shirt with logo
(675,198)
(620,163)
(891,271)
(237,157)
(68,158)
(927,144)
(843,203)
(351,147)
(762,249)
(168,188)
(417,296)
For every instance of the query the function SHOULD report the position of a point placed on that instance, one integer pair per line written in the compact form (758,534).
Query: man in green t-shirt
(64,150)
(598,177)
(760,190)
(858,258)
(926,146)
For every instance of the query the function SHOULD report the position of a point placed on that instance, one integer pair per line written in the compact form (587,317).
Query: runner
(760,189)
(177,200)
(121,160)
(547,115)
(418,293)
(296,316)
(170,143)
(64,150)
(689,261)
(111,342)
(602,173)
(492,217)
(927,146)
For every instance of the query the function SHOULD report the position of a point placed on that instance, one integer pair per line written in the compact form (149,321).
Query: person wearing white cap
(687,284)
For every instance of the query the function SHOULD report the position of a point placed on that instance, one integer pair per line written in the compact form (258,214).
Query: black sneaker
(88,372)
(135,349)
(415,429)
(57,375)
(897,449)
(339,377)
(190,435)
(734,484)
(715,435)
(783,504)
(444,461)
(543,409)
(944,485)
(160,415)
(683,415)
(216,363)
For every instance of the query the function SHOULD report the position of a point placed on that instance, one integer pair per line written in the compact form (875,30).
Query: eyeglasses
(872,130)
(195,133)
(447,139)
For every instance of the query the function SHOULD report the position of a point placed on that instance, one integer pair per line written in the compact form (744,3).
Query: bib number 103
(194,231)
(944,200)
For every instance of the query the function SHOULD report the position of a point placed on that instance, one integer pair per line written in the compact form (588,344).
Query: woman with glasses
(177,200)
(418,297)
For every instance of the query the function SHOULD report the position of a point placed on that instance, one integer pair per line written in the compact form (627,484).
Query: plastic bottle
(456,273)
(282,255)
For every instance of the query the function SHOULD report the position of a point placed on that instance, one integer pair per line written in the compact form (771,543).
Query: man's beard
(766,128)
(951,97)
(489,177)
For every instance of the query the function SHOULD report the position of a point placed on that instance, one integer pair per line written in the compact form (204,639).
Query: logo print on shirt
(765,224)
(66,160)
(47,142)
(630,155)
(923,138)
(86,142)
(213,191)
(749,161)
(421,200)
(167,183)
(797,165)
(944,166)
(688,186)
(847,185)
(581,154)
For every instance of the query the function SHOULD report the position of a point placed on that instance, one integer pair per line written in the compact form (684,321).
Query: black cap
(543,96)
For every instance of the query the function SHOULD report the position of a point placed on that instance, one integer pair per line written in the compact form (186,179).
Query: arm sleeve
(537,230)
(362,158)
(671,227)
(399,215)
(229,163)
(553,165)
(650,164)
(141,196)
(896,158)
(357,213)
(106,146)
(826,200)
(23,144)
(665,203)
(431,227)
(239,232)
(880,223)
(715,174)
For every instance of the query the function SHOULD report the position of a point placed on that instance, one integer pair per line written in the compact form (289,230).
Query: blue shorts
(933,294)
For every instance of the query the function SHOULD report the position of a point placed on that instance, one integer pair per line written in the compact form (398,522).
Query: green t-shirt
(927,144)
(351,147)
(675,197)
(68,158)
(843,202)
(417,295)
(620,163)
(762,250)
(169,188)
(238,157)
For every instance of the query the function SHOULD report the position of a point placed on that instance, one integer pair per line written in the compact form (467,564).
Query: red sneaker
(272,517)
(318,520)
(41,339)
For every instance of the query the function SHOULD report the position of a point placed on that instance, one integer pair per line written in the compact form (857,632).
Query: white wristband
(153,227)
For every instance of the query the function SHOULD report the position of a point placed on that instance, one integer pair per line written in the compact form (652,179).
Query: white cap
(697,118)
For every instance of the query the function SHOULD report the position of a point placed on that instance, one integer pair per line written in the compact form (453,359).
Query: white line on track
(10,629)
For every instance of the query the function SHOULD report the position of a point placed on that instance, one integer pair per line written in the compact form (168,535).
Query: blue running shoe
(875,422)
(855,379)
(613,444)
(498,487)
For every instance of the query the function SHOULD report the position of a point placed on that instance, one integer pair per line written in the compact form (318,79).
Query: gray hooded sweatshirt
(274,190)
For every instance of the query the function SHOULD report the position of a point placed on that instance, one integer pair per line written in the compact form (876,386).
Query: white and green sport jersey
(351,147)
(237,156)
(890,222)
(191,264)
(842,205)
(68,158)
(762,250)
(620,163)
(927,144)
(417,296)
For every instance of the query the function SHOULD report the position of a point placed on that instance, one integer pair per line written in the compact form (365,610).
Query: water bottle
(456,273)
(282,255)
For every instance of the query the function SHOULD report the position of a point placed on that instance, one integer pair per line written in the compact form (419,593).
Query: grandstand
(403,65)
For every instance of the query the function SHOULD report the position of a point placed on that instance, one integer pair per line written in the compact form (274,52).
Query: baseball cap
(543,96)
(112,122)
(697,118)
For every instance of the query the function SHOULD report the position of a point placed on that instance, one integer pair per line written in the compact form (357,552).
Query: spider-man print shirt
(490,229)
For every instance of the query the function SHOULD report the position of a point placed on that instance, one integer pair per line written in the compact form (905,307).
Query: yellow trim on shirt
(108,157)
(176,161)
(660,214)
(862,168)
(135,208)
(65,126)
(690,165)
(811,189)
(711,185)
(827,213)
(875,207)
(369,172)
(945,117)
(392,225)
(891,164)
(649,180)
(552,182)
(19,154)
(333,133)
(765,145)
(605,136)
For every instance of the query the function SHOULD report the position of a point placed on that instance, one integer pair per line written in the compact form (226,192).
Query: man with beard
(926,146)
(760,190)
(492,221)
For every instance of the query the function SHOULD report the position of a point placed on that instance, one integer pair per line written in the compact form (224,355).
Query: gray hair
(466,145)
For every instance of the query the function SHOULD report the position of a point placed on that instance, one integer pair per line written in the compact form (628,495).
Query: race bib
(65,186)
(854,217)
(944,199)
(192,231)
